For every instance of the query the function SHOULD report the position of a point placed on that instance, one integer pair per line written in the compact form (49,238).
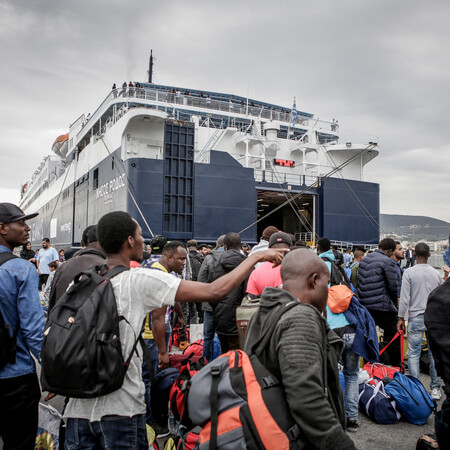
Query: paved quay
(370,436)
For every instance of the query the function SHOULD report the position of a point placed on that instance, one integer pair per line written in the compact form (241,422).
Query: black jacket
(87,259)
(437,321)
(225,312)
(196,260)
(377,282)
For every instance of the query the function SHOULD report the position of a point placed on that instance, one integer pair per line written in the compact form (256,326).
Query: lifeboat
(61,145)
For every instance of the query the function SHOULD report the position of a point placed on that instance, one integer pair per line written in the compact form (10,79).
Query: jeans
(153,350)
(351,369)
(208,335)
(416,328)
(111,432)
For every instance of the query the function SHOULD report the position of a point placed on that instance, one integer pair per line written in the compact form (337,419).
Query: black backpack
(338,275)
(81,353)
(8,343)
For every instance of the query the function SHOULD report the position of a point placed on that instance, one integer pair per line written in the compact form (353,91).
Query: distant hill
(414,228)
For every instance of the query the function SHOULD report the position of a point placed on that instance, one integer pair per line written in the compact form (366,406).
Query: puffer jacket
(224,312)
(377,282)
(303,355)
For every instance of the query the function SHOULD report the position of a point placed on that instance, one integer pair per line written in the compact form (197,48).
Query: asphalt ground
(400,436)
(370,436)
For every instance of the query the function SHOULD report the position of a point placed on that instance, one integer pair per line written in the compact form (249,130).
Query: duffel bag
(377,404)
(412,399)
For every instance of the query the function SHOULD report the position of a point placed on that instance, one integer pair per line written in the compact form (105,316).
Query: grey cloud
(381,68)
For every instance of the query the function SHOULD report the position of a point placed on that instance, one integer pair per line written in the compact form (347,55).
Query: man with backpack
(224,313)
(21,327)
(87,258)
(117,419)
(303,352)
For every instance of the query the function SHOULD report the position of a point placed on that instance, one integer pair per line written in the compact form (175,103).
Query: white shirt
(138,291)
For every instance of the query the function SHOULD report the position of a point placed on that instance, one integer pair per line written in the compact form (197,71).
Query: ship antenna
(150,67)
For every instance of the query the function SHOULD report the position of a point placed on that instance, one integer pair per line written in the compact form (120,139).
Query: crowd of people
(176,284)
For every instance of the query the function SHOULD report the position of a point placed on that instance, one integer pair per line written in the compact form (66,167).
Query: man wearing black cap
(86,259)
(22,313)
(267,275)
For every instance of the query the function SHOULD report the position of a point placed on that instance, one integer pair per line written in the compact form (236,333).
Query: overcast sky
(381,68)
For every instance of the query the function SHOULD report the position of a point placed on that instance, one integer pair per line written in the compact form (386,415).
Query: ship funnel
(271,144)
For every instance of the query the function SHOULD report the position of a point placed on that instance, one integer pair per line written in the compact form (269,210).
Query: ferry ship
(190,163)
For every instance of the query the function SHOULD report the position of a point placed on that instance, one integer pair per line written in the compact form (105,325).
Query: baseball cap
(12,213)
(92,235)
(158,242)
(280,237)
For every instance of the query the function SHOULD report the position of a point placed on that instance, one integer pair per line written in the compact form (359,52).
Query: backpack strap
(214,402)
(111,273)
(6,256)
(259,346)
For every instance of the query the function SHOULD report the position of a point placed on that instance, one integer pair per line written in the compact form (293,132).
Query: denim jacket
(19,299)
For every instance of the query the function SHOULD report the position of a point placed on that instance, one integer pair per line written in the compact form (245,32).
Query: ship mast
(150,67)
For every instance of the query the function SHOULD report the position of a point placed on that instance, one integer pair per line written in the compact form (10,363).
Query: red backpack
(178,392)
(240,403)
(196,348)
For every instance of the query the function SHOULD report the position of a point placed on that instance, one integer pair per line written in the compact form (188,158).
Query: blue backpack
(348,272)
(413,401)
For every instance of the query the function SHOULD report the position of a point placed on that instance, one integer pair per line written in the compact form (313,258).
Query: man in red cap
(21,333)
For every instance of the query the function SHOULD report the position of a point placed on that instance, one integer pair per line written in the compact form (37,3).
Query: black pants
(19,403)
(228,343)
(388,321)
(442,424)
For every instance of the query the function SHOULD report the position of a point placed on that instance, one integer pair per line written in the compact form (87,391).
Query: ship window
(95,184)
(112,162)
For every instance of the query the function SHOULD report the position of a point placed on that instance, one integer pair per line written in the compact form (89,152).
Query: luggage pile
(389,394)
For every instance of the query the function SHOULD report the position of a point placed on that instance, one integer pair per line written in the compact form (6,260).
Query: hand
(49,397)
(446,270)
(163,359)
(272,255)
(401,324)
(181,322)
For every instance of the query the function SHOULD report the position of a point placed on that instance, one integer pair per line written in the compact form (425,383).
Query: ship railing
(270,176)
(306,237)
(349,140)
(175,99)
(342,244)
(185,100)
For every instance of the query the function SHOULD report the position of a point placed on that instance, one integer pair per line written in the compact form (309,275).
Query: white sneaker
(436,394)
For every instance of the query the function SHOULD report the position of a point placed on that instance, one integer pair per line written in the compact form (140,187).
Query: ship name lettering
(111,186)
